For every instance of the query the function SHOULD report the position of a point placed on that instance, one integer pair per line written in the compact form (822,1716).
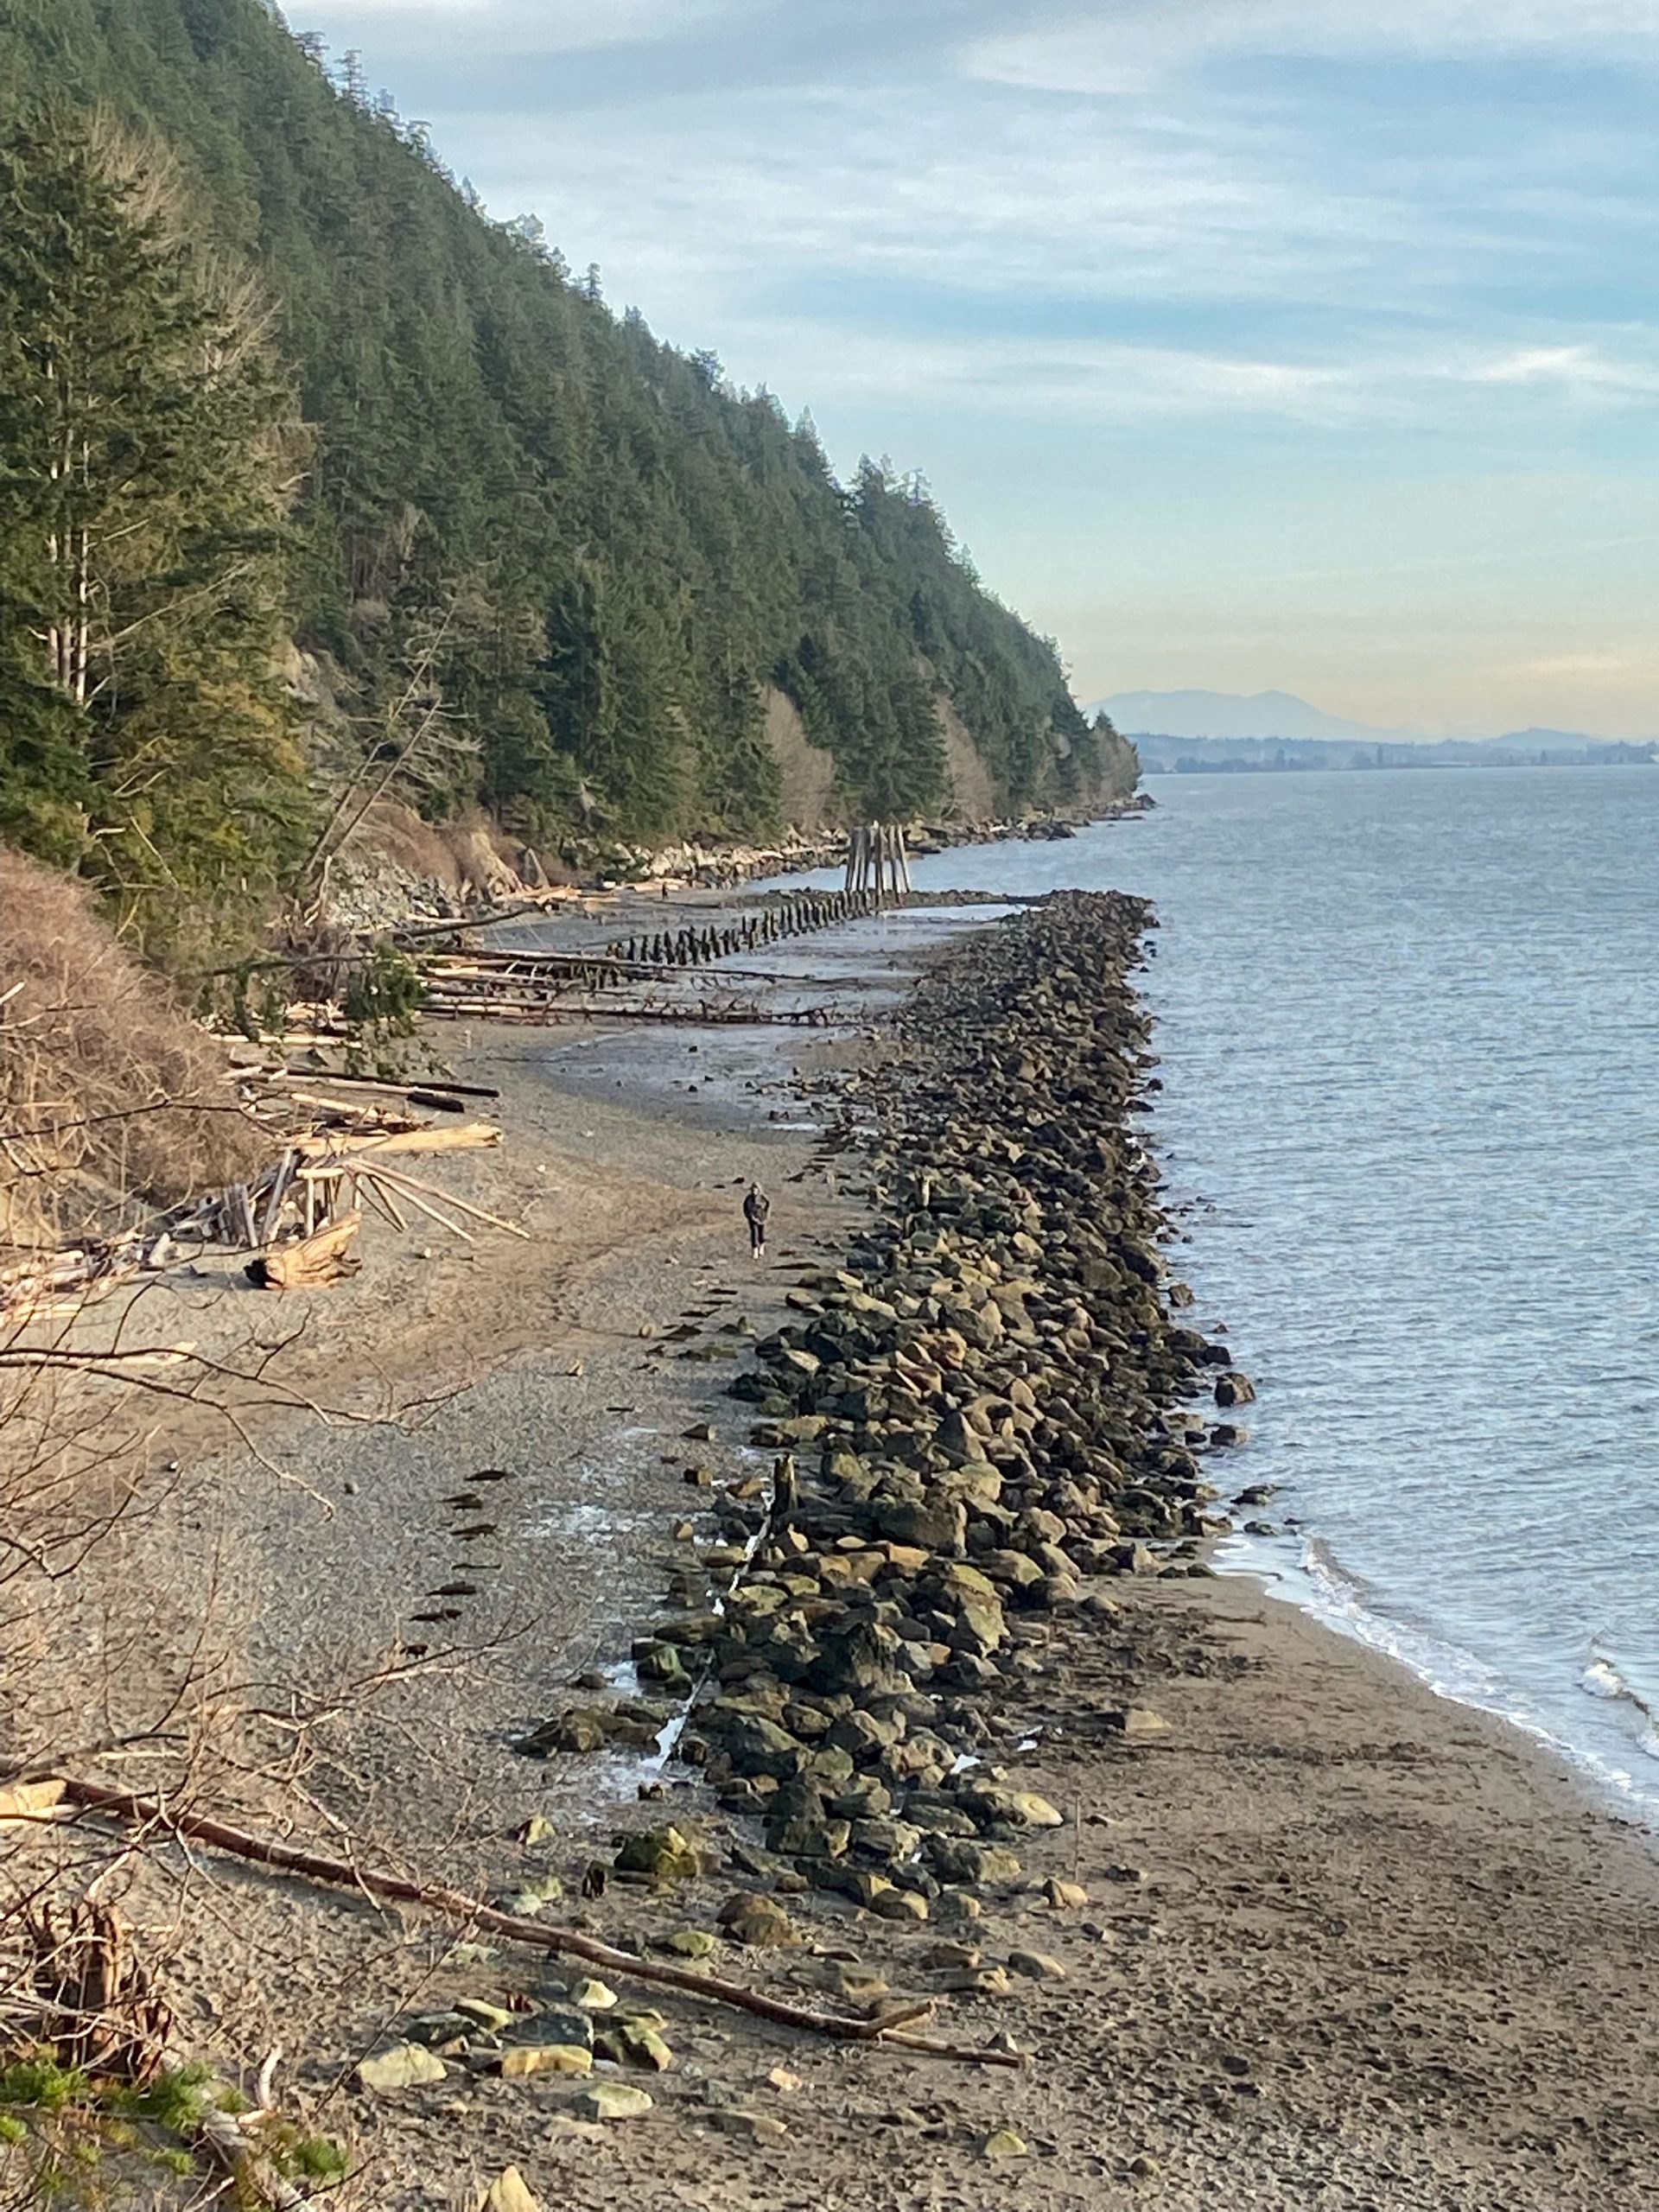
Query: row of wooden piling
(797,915)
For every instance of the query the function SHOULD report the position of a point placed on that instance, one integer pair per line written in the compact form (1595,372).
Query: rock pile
(978,1419)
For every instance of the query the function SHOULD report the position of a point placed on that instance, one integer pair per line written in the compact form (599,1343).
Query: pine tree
(147,457)
(649,547)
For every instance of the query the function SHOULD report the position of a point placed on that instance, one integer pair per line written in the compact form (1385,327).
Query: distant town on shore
(1225,733)
(1531,748)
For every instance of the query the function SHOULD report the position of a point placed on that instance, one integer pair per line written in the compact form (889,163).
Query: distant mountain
(1538,741)
(1230,713)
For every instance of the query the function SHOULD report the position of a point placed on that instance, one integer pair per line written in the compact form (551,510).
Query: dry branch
(455,1906)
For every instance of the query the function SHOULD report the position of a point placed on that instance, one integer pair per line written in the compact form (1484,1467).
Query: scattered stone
(1065,1897)
(758,1922)
(635,2042)
(899,1904)
(960,1956)
(438,2029)
(749,2127)
(664,1853)
(1004,2143)
(613,2101)
(978,1981)
(564,2023)
(523,2058)
(859,1985)
(689,1943)
(1136,1724)
(508,2192)
(533,1898)
(405,2066)
(593,1995)
(954,1858)
(1036,1966)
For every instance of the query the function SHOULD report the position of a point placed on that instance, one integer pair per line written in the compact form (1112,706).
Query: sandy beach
(1332,1940)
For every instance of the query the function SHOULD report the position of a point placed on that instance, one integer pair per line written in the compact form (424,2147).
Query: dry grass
(112,1103)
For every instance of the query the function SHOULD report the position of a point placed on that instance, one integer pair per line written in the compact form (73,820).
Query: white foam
(1308,1575)
(1601,1680)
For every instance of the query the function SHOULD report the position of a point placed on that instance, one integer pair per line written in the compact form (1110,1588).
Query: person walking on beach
(756,1206)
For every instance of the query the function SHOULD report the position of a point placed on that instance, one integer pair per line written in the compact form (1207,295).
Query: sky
(1309,345)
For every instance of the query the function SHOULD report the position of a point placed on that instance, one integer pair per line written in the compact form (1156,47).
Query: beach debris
(312,1263)
(895,2027)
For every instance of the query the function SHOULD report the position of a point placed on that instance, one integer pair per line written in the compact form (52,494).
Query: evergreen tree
(147,455)
(640,548)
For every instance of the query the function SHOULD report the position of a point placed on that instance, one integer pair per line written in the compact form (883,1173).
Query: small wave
(1342,1599)
(1310,1576)
(1603,1678)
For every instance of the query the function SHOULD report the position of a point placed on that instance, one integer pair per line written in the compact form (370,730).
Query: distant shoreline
(1317,756)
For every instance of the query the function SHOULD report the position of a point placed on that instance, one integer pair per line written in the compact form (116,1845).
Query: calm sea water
(1410,1033)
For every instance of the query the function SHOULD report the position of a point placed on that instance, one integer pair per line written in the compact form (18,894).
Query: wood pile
(336,1153)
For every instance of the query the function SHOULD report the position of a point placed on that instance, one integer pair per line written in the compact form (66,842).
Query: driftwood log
(311,1262)
(456,1907)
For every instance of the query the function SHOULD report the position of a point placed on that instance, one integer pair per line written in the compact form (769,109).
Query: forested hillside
(270,374)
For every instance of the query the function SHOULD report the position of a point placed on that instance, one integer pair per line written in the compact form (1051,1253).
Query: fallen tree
(454,1905)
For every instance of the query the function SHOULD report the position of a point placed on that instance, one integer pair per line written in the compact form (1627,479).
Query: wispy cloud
(1250,277)
(1579,368)
(1140,41)
(1103,383)
(542,27)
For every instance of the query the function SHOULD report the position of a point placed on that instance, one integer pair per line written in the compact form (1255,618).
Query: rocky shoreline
(981,1418)
(488,877)
(1223,1909)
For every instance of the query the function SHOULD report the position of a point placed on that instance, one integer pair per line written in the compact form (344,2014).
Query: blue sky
(1303,344)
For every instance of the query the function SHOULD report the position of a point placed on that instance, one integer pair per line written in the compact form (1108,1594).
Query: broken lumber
(469,1137)
(407,1185)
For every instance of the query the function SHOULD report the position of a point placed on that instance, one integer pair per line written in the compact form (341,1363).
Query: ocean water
(1409,1027)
